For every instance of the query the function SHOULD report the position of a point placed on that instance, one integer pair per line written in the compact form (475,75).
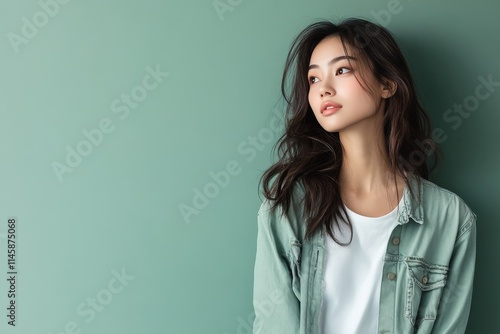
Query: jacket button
(391,276)
(425,279)
(395,241)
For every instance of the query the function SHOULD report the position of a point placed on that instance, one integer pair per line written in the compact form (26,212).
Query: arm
(276,307)
(455,303)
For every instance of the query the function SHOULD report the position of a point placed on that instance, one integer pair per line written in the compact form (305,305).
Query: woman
(352,236)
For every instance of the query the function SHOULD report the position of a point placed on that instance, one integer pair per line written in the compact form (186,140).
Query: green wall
(115,115)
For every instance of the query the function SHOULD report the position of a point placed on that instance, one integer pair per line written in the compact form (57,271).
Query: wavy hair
(309,155)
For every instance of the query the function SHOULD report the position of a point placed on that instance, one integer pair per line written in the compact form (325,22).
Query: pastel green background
(119,207)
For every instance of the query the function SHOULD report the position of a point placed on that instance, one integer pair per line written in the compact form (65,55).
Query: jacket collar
(411,207)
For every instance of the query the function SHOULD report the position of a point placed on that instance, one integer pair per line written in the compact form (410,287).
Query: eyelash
(336,73)
(344,67)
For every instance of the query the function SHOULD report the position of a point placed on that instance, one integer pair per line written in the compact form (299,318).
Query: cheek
(361,96)
(351,87)
(311,97)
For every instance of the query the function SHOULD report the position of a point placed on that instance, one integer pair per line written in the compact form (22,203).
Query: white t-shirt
(353,275)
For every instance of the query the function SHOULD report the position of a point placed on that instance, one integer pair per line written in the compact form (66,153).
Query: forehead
(328,48)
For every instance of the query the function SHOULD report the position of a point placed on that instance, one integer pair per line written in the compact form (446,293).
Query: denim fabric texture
(428,268)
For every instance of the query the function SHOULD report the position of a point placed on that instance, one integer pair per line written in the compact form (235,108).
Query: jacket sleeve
(454,308)
(276,307)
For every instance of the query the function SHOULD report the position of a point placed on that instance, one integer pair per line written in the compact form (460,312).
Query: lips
(329,105)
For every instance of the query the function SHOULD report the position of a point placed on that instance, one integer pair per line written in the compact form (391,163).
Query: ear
(388,88)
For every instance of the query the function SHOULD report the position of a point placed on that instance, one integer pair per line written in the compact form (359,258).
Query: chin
(331,127)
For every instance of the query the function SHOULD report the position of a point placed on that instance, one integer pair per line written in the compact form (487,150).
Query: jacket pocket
(294,256)
(425,284)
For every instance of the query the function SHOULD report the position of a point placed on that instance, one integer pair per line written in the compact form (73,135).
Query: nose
(326,88)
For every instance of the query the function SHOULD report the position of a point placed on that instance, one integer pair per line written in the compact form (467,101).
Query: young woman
(352,236)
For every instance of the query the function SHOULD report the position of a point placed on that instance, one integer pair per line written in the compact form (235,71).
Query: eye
(311,79)
(343,70)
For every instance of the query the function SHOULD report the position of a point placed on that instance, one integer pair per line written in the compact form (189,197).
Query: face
(332,84)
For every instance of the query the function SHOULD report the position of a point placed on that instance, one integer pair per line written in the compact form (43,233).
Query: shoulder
(284,225)
(437,195)
(438,202)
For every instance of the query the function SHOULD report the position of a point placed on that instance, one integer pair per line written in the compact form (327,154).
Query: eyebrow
(334,60)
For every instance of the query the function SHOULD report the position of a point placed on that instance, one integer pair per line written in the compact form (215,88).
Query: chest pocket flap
(425,284)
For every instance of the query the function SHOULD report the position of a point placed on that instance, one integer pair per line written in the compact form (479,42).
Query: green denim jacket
(427,277)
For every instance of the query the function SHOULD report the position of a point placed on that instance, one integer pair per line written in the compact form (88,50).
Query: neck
(365,167)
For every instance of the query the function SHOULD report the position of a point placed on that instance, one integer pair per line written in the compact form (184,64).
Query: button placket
(394,246)
(388,294)
(394,241)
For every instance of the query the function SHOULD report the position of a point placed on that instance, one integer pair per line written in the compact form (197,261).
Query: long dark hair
(312,157)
